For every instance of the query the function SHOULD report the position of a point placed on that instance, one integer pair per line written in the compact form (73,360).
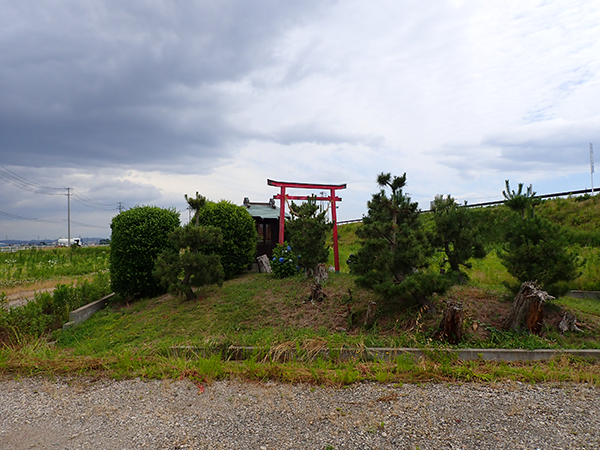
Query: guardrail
(559,194)
(345,222)
(499,202)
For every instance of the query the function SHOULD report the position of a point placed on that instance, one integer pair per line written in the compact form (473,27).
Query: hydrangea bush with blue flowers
(284,262)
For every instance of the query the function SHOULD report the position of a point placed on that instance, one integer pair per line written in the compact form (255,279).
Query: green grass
(261,311)
(489,273)
(590,271)
(141,339)
(580,213)
(40,358)
(253,310)
(581,305)
(348,243)
(29,266)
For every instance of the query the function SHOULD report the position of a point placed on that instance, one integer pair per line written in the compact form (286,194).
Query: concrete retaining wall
(379,354)
(584,294)
(82,314)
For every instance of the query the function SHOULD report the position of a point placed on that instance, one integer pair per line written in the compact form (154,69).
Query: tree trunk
(189,293)
(451,326)
(185,286)
(321,274)
(527,311)
(316,292)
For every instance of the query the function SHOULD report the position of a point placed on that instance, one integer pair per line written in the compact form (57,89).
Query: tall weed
(49,310)
(26,266)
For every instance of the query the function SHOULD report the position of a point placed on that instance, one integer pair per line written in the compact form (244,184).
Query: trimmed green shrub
(239,234)
(138,236)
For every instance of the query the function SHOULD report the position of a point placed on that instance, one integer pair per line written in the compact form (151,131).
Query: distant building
(266,218)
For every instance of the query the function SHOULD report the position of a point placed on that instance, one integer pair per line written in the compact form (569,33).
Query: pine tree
(456,234)
(195,261)
(196,204)
(307,233)
(519,202)
(394,247)
(536,250)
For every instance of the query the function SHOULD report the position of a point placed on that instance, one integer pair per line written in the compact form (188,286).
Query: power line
(35,219)
(31,219)
(9,177)
(87,225)
(13,179)
(78,196)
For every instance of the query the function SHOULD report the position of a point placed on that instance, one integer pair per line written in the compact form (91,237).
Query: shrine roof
(263,210)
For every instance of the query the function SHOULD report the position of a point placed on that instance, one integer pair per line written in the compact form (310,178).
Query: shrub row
(48,311)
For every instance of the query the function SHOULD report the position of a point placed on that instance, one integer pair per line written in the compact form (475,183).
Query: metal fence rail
(499,202)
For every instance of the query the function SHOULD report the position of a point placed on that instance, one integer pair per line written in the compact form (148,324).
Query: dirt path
(21,298)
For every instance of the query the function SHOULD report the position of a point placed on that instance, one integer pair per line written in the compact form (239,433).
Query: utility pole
(120,207)
(69,216)
(592,165)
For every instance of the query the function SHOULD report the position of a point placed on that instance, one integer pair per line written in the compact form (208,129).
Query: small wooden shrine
(266,217)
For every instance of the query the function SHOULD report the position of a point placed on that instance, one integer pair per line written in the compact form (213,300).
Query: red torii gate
(331,198)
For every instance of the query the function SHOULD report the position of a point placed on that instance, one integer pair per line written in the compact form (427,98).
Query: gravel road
(83,414)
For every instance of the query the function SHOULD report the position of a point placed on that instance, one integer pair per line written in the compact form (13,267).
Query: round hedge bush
(138,236)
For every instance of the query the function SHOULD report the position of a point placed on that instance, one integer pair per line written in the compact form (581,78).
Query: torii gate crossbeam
(331,198)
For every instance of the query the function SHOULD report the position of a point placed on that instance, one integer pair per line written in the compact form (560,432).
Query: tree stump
(316,292)
(321,274)
(568,323)
(451,326)
(527,311)
(264,265)
(370,316)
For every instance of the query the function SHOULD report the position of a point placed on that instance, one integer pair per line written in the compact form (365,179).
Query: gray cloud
(548,146)
(553,143)
(315,133)
(140,102)
(120,83)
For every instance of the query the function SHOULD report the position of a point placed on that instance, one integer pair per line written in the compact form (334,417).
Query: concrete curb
(584,294)
(236,353)
(84,313)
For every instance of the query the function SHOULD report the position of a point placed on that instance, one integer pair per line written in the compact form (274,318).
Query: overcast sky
(141,102)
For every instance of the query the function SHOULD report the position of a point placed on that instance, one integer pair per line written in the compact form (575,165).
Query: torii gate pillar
(331,198)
